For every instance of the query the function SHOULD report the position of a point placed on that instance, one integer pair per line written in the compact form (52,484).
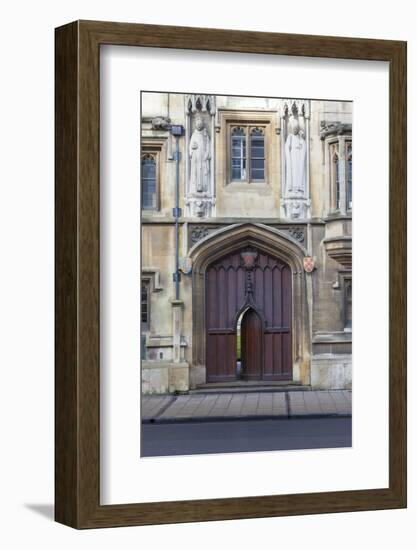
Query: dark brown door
(224,290)
(277,285)
(252,345)
(231,288)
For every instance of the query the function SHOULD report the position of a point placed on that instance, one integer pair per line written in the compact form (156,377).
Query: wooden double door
(251,291)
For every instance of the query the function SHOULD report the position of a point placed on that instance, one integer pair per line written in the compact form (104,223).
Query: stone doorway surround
(272,241)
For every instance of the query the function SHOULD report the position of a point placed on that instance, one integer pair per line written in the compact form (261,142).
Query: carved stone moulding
(198,232)
(296,208)
(296,106)
(200,102)
(329,129)
(200,207)
(161,123)
(153,275)
(296,233)
(249,258)
(340,249)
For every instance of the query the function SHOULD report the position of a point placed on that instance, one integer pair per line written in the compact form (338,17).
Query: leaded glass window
(144,305)
(336,179)
(339,161)
(257,154)
(149,182)
(349,174)
(238,154)
(348,304)
(247,154)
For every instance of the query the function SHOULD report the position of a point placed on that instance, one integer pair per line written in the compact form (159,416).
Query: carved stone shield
(308,263)
(249,258)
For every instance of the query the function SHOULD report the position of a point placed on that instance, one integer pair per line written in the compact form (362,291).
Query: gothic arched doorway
(252,281)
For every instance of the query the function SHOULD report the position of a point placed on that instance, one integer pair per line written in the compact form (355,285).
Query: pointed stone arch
(271,241)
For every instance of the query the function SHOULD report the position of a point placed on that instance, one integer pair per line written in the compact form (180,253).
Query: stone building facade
(246,237)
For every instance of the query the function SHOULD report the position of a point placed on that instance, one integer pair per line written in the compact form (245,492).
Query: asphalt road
(186,438)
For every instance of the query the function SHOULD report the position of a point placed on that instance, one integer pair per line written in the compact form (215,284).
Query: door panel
(270,295)
(252,346)
(221,356)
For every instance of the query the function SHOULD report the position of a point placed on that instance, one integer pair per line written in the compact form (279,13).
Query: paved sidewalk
(234,406)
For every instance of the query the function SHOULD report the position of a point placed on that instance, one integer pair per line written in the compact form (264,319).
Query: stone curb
(200,419)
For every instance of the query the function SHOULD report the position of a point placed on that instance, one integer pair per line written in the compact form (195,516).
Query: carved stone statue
(199,152)
(295,160)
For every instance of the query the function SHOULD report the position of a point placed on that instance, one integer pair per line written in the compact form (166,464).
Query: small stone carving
(249,258)
(200,102)
(334,129)
(297,233)
(308,264)
(200,207)
(186,265)
(161,123)
(198,232)
(199,151)
(296,208)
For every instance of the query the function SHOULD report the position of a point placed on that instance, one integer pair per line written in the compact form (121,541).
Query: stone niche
(295,155)
(200,189)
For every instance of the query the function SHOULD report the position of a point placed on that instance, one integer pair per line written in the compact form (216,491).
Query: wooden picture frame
(77,381)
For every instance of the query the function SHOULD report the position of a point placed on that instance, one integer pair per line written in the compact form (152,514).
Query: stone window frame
(335,184)
(154,157)
(145,284)
(153,148)
(342,284)
(341,142)
(228,118)
(348,142)
(347,283)
(151,276)
(248,128)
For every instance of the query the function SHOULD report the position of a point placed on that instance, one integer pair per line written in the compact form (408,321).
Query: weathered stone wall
(323,234)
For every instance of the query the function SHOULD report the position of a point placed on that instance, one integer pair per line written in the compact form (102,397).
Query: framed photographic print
(217,193)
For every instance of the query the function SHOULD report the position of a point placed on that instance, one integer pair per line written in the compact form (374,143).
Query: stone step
(247,388)
(248,384)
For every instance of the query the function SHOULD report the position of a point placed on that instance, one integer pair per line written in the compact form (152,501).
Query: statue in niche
(295,159)
(199,158)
